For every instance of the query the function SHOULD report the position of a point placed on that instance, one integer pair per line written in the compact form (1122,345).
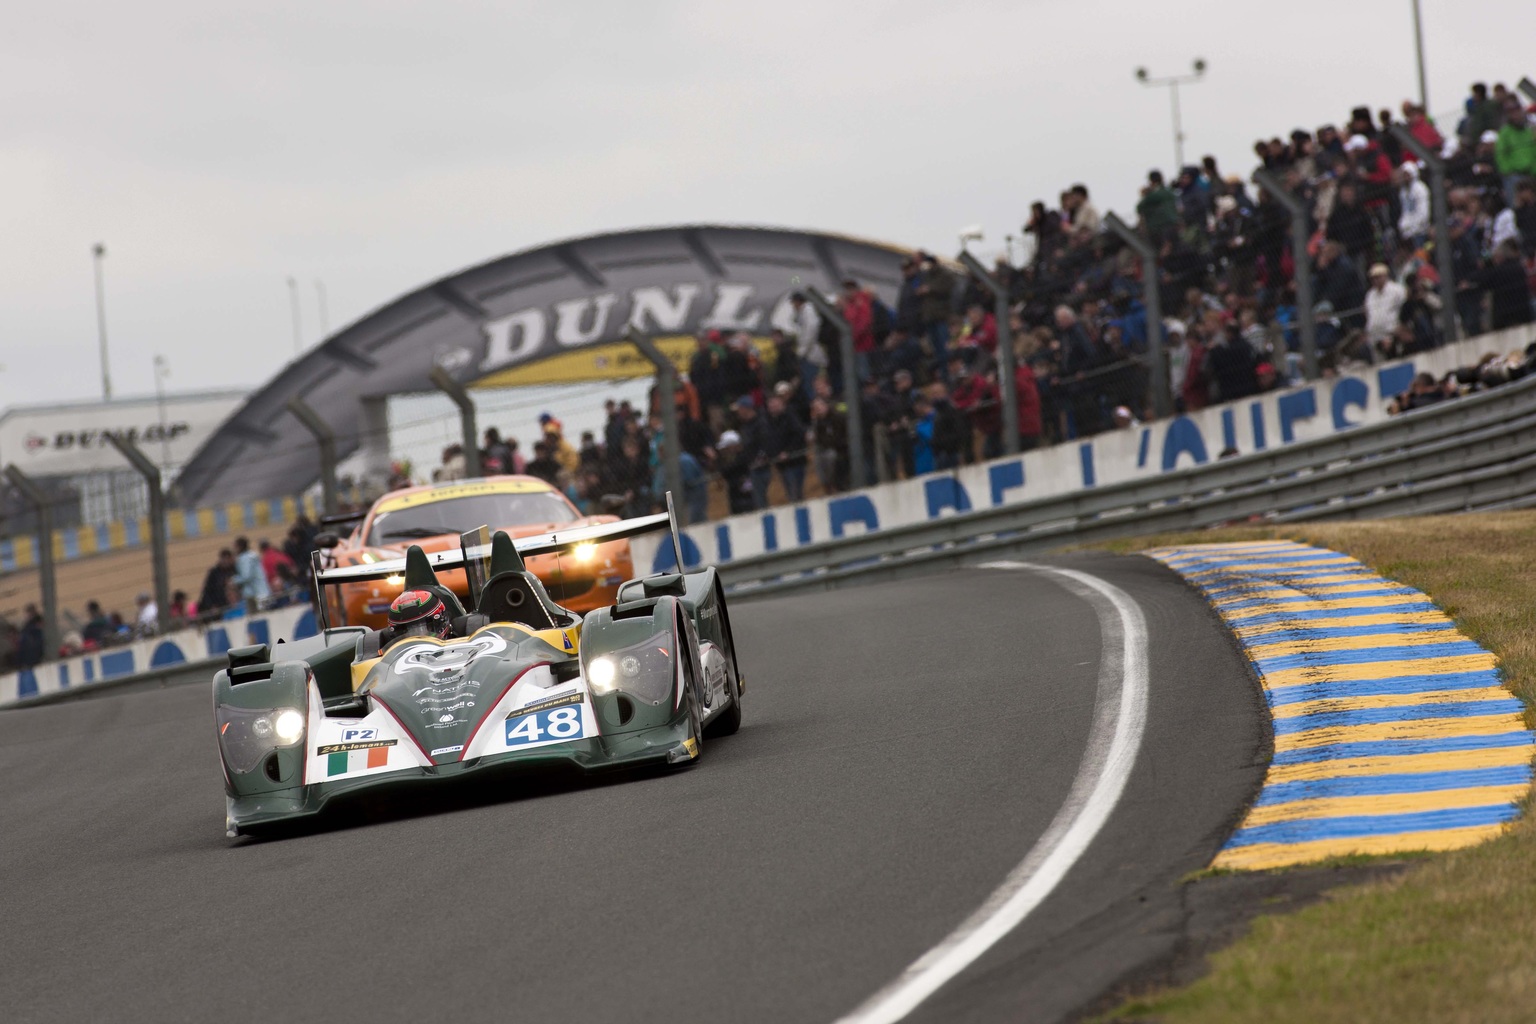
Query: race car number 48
(554,724)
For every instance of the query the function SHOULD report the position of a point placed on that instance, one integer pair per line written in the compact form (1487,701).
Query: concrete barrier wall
(186,645)
(1318,410)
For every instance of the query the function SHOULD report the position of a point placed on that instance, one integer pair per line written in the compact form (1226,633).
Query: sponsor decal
(333,748)
(448,691)
(347,735)
(567,638)
(345,758)
(550,702)
(451,707)
(445,722)
(448,750)
(452,656)
(74,440)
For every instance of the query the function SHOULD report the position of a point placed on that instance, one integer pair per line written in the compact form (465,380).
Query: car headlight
(645,671)
(288,724)
(600,673)
(585,551)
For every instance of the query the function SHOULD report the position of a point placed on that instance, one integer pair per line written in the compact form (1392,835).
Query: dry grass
(1451,939)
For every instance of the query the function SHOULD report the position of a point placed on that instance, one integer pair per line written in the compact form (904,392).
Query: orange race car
(434,516)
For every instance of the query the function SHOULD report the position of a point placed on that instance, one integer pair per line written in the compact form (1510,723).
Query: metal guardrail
(1470,452)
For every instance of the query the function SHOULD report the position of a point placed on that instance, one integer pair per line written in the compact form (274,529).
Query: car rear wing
(474,553)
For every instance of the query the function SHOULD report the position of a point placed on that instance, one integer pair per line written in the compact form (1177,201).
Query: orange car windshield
(456,515)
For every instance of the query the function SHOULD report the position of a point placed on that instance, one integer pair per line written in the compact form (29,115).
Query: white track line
(1119,719)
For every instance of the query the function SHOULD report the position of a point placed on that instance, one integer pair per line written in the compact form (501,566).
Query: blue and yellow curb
(1394,732)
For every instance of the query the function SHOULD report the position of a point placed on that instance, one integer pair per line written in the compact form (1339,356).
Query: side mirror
(326,540)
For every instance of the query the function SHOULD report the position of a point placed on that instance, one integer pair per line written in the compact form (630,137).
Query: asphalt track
(905,746)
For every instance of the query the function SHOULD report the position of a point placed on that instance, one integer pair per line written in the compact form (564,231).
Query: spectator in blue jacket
(249,574)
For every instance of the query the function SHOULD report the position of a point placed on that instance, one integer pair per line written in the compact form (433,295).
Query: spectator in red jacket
(1027,391)
(975,394)
(857,307)
(271,559)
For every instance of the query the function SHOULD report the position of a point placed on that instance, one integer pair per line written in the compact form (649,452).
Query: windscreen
(456,515)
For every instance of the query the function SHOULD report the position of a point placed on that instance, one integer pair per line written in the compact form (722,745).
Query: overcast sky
(217,149)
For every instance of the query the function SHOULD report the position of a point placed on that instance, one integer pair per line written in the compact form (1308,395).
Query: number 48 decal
(555,724)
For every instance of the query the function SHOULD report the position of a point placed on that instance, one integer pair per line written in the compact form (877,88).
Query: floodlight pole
(325,439)
(456,391)
(1152,301)
(852,397)
(1449,326)
(157,533)
(671,439)
(1301,263)
(1007,381)
(39,499)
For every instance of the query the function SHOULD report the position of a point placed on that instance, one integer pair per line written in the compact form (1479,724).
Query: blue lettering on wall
(257,632)
(1142,448)
(666,559)
(1346,392)
(88,669)
(1085,452)
(218,641)
(1256,414)
(1298,405)
(856,508)
(1183,437)
(1228,430)
(117,663)
(26,683)
(166,653)
(1393,380)
(306,626)
(802,525)
(723,542)
(945,492)
(770,532)
(1005,476)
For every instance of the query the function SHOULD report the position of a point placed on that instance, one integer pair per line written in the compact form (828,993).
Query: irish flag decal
(344,758)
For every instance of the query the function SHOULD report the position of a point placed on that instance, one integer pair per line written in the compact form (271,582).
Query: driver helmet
(418,613)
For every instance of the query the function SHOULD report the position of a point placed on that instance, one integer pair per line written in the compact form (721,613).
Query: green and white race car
(516,680)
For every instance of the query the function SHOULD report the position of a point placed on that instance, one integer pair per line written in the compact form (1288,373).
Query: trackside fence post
(39,499)
(157,532)
(1151,299)
(1301,262)
(445,383)
(671,440)
(1007,382)
(1440,210)
(853,388)
(325,439)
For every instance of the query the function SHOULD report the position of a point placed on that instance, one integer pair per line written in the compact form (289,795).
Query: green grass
(1453,938)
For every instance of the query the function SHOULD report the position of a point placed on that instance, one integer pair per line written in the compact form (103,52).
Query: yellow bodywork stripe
(1445,761)
(1379,670)
(1354,643)
(1261,856)
(449,491)
(1424,729)
(1385,803)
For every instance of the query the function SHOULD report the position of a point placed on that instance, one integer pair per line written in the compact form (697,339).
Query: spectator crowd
(765,417)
